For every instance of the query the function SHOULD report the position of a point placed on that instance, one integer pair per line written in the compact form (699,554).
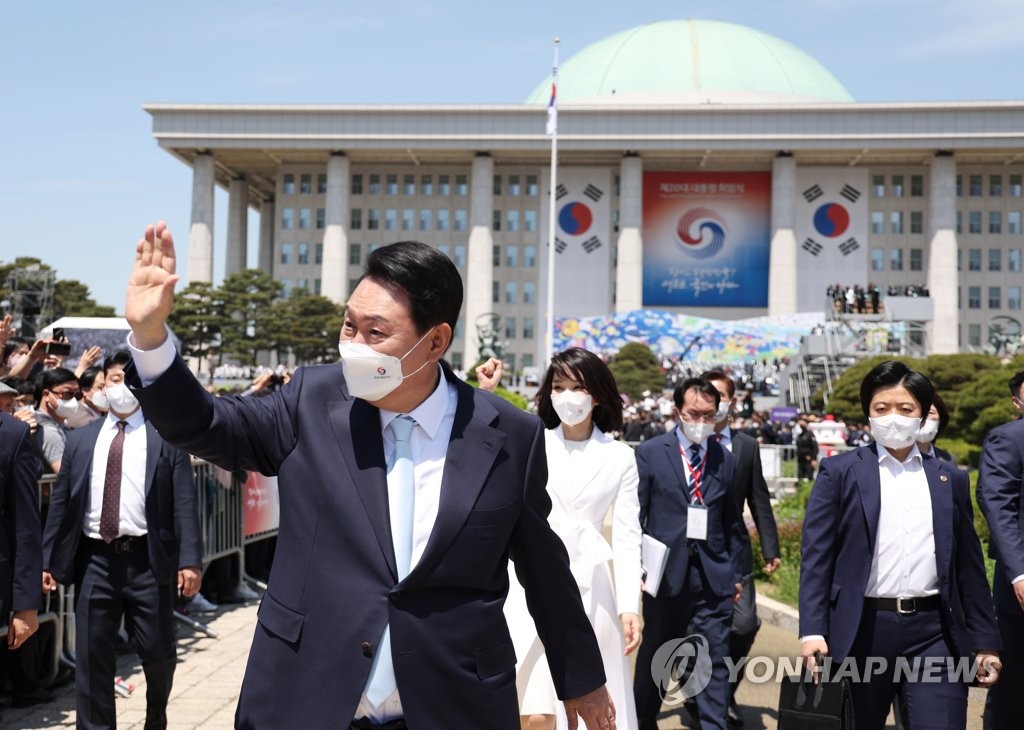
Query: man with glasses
(57,396)
(686,504)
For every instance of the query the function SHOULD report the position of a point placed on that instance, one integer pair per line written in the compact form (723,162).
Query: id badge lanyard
(696,474)
(696,512)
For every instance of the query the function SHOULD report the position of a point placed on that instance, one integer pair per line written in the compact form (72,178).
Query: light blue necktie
(401,505)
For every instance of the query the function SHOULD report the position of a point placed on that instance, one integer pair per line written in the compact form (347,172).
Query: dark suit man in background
(748,488)
(402,490)
(123,528)
(1001,498)
(685,482)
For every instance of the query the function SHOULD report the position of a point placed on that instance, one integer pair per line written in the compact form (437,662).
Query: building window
(916,186)
(495,291)
(974,335)
(426,185)
(321,218)
(529,292)
(959,186)
(443,248)
(1013,297)
(496,220)
(374,187)
(443,185)
(528,327)
(995,297)
(1013,222)
(461,220)
(995,222)
(513,221)
(974,297)
(916,221)
(302,283)
(877,259)
(532,188)
(288,186)
(513,186)
(512,256)
(357,184)
(287,218)
(357,219)
(442,220)
(391,185)
(305,218)
(372,219)
(321,184)
(1016,188)
(496,190)
(995,259)
(461,185)
(306,186)
(896,222)
(975,186)
(286,253)
(530,221)
(495,256)
(510,292)
(530,256)
(355,254)
(878,223)
(974,221)
(352,284)
(995,186)
(391,218)
(897,186)
(460,255)
(959,221)
(878,185)
(896,259)
(916,259)
(510,328)
(316,287)
(318,254)
(974,259)
(286,288)
(409,184)
(1013,260)
(408,219)
(426,220)
(304,256)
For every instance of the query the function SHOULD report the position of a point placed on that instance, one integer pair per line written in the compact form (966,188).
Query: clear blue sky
(82,175)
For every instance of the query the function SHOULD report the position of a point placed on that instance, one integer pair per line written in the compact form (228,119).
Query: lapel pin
(943,478)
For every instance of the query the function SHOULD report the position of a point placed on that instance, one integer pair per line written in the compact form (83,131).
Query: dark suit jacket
(840,528)
(748,486)
(173,537)
(21,561)
(334,586)
(1000,495)
(664,501)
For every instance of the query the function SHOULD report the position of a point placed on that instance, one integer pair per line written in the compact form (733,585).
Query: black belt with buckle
(904,606)
(366,724)
(120,545)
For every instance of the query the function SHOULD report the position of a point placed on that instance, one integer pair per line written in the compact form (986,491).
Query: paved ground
(210,671)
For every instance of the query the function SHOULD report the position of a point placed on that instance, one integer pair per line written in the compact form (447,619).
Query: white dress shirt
(133,477)
(726,438)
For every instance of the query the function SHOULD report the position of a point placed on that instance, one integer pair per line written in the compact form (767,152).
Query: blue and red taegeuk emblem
(831,220)
(701,232)
(575,218)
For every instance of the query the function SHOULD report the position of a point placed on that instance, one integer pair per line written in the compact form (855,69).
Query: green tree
(72,298)
(307,325)
(636,370)
(248,305)
(197,320)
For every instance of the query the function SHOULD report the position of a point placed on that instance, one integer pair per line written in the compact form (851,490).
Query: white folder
(653,557)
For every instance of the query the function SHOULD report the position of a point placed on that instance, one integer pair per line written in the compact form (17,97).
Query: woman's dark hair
(940,406)
(427,277)
(50,379)
(890,374)
(702,386)
(10,346)
(591,372)
(88,378)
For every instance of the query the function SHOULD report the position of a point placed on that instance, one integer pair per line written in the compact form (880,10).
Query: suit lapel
(153,444)
(941,489)
(473,447)
(869,484)
(356,426)
(83,480)
(675,460)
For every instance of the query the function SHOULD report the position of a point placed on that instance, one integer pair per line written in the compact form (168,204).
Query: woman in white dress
(589,473)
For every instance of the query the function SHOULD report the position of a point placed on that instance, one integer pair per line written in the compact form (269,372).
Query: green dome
(692,62)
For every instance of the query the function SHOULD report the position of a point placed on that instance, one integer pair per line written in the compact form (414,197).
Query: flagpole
(552,129)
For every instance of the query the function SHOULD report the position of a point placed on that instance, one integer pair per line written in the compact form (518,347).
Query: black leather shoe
(732,715)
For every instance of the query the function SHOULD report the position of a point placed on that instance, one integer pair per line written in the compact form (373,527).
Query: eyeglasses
(699,417)
(68,394)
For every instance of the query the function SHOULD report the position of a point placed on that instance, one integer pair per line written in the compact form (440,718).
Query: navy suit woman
(892,567)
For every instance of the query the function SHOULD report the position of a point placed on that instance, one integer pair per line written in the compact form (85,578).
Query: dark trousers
(939,704)
(110,585)
(667,618)
(1004,706)
(745,625)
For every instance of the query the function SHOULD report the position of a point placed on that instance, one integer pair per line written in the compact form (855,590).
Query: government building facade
(703,167)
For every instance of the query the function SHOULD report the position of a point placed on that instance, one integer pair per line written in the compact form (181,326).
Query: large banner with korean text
(706,239)
(831,231)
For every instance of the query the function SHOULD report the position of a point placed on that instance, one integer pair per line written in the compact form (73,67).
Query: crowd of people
(404,492)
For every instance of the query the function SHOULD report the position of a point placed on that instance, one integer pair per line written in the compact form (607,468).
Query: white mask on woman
(572,407)
(928,431)
(895,431)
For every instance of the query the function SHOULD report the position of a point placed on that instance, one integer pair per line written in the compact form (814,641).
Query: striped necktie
(695,464)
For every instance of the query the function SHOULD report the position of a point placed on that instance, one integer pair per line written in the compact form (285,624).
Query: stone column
(782,279)
(629,273)
(942,273)
(334,274)
(268,221)
(238,226)
(200,233)
(479,270)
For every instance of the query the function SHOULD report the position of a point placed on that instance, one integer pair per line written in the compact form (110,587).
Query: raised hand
(151,287)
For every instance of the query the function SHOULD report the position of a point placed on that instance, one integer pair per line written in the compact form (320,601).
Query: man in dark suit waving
(686,504)
(1001,498)
(402,491)
(123,528)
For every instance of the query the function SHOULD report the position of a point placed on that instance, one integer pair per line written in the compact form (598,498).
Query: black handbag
(803,705)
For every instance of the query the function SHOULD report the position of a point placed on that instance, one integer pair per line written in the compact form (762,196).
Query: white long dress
(585,480)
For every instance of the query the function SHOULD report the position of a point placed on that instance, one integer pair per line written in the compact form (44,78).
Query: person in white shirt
(891,566)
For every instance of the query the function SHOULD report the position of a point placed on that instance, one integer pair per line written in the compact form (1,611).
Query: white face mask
(895,431)
(928,432)
(372,375)
(81,417)
(120,399)
(723,410)
(99,400)
(697,432)
(66,408)
(572,407)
